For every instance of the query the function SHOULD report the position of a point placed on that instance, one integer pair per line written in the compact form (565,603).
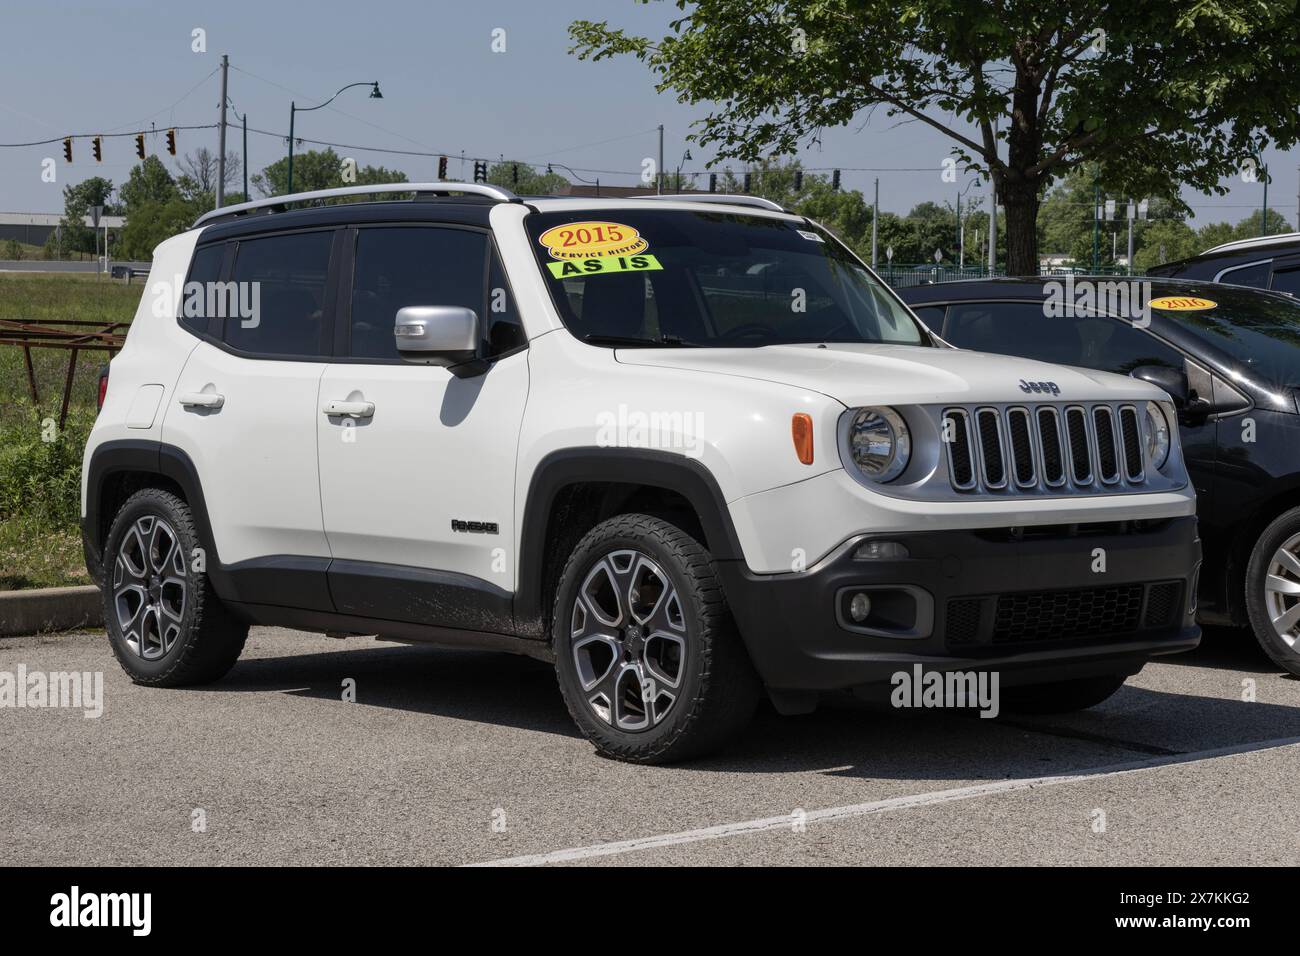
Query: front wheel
(1273,591)
(646,651)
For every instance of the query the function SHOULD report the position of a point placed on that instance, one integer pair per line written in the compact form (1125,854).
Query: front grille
(1063,615)
(1043,448)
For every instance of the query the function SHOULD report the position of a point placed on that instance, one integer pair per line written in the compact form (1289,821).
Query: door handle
(202,400)
(350,409)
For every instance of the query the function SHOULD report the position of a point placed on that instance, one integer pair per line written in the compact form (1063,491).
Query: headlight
(879,443)
(1157,436)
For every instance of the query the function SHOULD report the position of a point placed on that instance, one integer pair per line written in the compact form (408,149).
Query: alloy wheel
(628,640)
(149,587)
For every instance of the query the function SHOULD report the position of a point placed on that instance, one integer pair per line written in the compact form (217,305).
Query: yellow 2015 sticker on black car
(603,264)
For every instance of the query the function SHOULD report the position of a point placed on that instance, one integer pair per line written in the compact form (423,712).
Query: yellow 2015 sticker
(601,264)
(591,240)
(1183,303)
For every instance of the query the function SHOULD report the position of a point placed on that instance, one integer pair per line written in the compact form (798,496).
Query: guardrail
(904,275)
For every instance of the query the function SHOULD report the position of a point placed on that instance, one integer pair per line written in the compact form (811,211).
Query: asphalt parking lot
(450,757)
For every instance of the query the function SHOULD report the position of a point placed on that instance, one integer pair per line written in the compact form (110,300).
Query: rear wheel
(646,651)
(165,624)
(1273,591)
(1061,697)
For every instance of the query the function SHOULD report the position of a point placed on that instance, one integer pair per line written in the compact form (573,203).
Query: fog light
(860,608)
(880,551)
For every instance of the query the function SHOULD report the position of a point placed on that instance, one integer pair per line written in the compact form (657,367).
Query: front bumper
(1036,604)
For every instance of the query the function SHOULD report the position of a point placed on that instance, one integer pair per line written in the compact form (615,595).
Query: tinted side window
(1255,275)
(397,267)
(932,316)
(286,277)
(1021,328)
(1288,281)
(205,270)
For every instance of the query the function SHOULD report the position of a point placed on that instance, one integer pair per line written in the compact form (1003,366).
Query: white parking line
(786,821)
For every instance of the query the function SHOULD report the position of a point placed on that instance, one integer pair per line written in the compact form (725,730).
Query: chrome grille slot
(1131,433)
(1103,424)
(1022,447)
(1049,435)
(992,464)
(956,437)
(1043,449)
(1076,431)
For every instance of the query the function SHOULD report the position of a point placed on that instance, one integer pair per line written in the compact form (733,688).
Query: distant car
(1269,262)
(1231,362)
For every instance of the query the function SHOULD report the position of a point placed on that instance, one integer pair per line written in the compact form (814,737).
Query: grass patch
(40,466)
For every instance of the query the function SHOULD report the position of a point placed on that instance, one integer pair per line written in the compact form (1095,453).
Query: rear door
(245,413)
(418,493)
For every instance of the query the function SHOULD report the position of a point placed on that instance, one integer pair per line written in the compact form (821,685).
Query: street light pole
(293,108)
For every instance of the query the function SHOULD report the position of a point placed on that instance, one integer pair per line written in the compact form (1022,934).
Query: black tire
(1283,529)
(716,690)
(1061,697)
(203,641)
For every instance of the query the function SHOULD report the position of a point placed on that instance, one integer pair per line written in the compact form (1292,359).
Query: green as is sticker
(601,264)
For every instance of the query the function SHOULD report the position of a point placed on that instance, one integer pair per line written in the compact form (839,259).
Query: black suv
(1230,359)
(1269,262)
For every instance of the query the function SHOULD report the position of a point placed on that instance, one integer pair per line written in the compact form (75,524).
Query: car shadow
(845,737)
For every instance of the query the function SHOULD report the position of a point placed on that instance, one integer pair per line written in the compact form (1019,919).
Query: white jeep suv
(690,450)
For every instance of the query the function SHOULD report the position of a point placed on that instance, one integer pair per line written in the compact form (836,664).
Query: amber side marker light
(801,431)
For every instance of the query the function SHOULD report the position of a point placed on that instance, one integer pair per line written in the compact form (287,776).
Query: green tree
(522,179)
(152,221)
(1171,93)
(148,181)
(318,169)
(77,201)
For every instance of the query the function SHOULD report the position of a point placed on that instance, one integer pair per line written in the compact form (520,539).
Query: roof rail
(1253,243)
(279,203)
(740,199)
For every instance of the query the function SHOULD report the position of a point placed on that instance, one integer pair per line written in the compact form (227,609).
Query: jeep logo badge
(1039,387)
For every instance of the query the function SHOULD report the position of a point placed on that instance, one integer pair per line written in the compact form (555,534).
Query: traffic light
(514,174)
(798,180)
(97,148)
(139,145)
(480,170)
(835,180)
(747,181)
(713,182)
(67,150)
(442,167)
(171,141)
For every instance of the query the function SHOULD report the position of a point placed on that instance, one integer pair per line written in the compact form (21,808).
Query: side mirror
(1191,408)
(436,334)
(1170,380)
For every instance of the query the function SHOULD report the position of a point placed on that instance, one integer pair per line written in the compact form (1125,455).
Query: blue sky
(118,66)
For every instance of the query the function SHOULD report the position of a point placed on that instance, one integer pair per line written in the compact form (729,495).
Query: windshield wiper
(632,340)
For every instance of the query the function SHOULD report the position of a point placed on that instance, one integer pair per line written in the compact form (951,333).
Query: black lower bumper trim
(1036,608)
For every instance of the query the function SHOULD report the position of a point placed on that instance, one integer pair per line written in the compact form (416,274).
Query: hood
(902,374)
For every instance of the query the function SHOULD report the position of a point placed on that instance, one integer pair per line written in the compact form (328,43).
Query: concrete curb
(49,609)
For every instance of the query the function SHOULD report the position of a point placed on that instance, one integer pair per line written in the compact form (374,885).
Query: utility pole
(993,211)
(221,136)
(1132,214)
(1096,224)
(1263,219)
(961,244)
(875,223)
(659,170)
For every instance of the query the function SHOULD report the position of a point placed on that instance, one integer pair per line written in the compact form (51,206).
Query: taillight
(103,388)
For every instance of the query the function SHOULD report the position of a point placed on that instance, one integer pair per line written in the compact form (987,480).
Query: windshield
(1257,329)
(670,278)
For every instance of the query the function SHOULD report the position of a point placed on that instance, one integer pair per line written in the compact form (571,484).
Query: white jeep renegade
(690,450)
